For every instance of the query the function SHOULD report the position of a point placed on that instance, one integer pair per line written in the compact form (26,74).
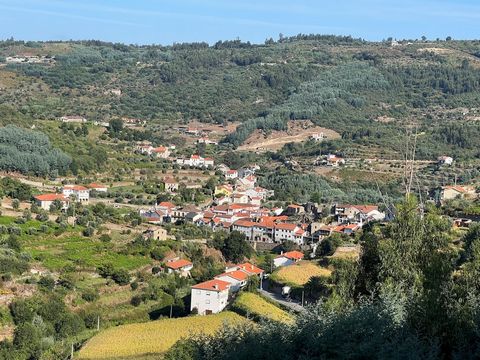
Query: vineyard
(299,274)
(157,337)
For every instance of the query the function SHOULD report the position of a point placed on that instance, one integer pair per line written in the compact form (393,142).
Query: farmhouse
(98,187)
(456,191)
(73,119)
(180,266)
(161,152)
(45,201)
(445,160)
(334,161)
(155,234)
(81,193)
(171,185)
(210,297)
(288,258)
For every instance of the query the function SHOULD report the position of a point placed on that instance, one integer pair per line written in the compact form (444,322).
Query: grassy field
(139,341)
(256,305)
(299,273)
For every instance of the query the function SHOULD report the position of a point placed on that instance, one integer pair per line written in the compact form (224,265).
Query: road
(292,304)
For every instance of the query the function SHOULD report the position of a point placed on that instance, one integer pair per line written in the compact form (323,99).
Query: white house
(196,160)
(81,193)
(288,258)
(210,297)
(73,119)
(45,201)
(445,160)
(290,232)
(231,174)
(180,266)
(236,278)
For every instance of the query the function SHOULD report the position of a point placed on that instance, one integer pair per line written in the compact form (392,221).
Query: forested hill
(366,91)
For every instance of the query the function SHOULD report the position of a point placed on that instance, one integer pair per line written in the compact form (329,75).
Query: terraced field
(153,338)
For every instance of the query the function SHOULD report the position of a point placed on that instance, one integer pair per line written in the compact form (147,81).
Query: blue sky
(168,21)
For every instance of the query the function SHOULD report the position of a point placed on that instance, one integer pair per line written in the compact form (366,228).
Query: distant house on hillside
(456,191)
(180,266)
(98,187)
(155,234)
(288,258)
(45,201)
(171,185)
(81,193)
(445,160)
(73,119)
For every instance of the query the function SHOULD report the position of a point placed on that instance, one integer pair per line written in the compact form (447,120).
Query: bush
(136,300)
(121,277)
(105,238)
(90,295)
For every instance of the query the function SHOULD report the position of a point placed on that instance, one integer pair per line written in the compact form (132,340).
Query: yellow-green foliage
(256,305)
(298,274)
(155,337)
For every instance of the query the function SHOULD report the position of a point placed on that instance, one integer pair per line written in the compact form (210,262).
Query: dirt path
(298,131)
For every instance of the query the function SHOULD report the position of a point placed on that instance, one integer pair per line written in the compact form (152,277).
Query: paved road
(292,304)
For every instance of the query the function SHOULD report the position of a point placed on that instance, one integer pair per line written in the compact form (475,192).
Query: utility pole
(98,323)
(71,352)
(303,295)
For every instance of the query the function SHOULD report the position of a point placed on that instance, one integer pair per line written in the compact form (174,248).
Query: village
(238,204)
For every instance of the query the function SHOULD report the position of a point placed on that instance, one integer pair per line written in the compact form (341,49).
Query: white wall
(205,300)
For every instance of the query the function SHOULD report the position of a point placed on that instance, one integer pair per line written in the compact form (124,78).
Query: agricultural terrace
(256,305)
(156,337)
(298,274)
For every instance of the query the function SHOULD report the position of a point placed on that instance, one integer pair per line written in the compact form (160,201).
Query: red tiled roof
(286,226)
(213,285)
(294,255)
(178,264)
(250,268)
(74,187)
(97,186)
(195,156)
(50,197)
(245,223)
(166,204)
(236,274)
(160,149)
(366,208)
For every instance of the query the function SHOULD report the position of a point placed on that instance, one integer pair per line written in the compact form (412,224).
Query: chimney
(281,252)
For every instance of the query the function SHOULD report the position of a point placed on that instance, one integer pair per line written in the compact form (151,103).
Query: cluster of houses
(78,193)
(238,207)
(30,59)
(161,152)
(196,161)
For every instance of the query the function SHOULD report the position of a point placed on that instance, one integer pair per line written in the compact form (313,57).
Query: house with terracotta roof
(197,161)
(98,187)
(210,297)
(288,258)
(289,232)
(451,192)
(248,268)
(179,266)
(161,152)
(45,201)
(231,174)
(81,193)
(236,278)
